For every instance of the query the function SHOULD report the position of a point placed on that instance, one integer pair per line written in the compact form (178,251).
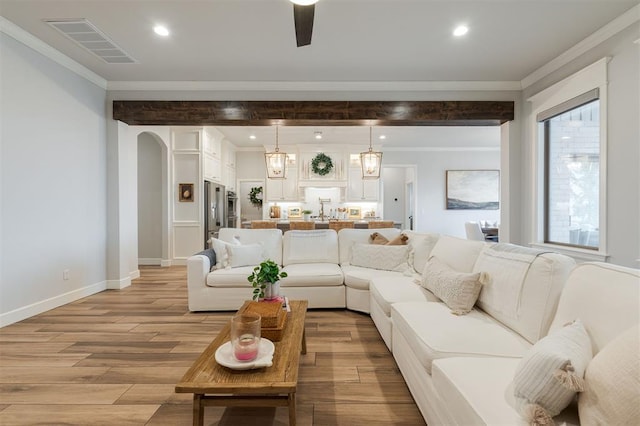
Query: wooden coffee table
(275,386)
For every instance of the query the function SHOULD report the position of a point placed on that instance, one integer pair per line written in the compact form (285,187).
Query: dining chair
(474,231)
(377,224)
(295,225)
(340,224)
(263,224)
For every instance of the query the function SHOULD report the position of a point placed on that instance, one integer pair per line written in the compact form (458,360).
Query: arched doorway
(152,200)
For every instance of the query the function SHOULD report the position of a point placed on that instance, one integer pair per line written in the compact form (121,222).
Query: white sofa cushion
(477,392)
(358,277)
(612,383)
(382,257)
(347,237)
(523,288)
(458,290)
(434,332)
(551,372)
(231,277)
(312,275)
(421,246)
(458,253)
(271,240)
(245,255)
(220,249)
(386,291)
(318,246)
(604,297)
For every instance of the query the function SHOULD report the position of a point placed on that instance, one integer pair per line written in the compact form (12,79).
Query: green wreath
(321,164)
(255,196)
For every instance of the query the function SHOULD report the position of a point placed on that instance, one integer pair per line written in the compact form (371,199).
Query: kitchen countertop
(284,224)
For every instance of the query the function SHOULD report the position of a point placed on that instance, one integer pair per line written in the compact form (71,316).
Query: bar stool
(340,224)
(263,224)
(296,225)
(377,224)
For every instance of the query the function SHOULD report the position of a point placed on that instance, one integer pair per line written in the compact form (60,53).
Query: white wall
(431,214)
(149,199)
(393,194)
(623,143)
(53,184)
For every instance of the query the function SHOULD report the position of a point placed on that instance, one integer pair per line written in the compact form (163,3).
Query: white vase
(307,217)
(272,291)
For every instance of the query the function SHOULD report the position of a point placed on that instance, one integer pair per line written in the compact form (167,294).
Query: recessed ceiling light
(382,137)
(318,135)
(304,2)
(252,137)
(460,30)
(161,30)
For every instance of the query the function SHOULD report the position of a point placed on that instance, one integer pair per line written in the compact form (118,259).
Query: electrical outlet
(65,274)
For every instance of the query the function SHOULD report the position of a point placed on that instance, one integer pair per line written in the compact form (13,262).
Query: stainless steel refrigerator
(215,214)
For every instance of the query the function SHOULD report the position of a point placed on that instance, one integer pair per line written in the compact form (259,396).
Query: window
(571,133)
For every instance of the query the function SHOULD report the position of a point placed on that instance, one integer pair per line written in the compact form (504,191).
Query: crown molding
(628,18)
(29,40)
(440,149)
(315,86)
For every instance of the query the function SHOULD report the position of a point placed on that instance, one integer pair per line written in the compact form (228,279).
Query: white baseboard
(134,274)
(118,284)
(48,304)
(179,261)
(165,263)
(149,261)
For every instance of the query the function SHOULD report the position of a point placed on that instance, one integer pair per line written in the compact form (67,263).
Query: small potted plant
(265,280)
(306,214)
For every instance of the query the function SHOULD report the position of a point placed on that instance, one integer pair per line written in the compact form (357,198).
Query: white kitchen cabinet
(360,189)
(229,165)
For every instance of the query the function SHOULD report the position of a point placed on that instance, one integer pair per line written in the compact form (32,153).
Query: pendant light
(276,162)
(371,162)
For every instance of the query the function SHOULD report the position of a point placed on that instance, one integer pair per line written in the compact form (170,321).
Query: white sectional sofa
(459,368)
(317,264)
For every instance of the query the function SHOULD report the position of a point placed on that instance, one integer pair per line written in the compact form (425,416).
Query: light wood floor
(113,359)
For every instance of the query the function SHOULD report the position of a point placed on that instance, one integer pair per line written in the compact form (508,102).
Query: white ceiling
(374,41)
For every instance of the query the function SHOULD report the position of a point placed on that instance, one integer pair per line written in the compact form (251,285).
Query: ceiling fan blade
(303,19)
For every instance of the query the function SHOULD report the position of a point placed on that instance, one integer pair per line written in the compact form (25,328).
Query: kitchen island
(320,224)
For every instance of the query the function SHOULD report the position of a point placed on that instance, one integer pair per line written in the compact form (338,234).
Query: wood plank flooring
(114,358)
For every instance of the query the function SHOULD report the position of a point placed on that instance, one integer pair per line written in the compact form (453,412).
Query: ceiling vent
(91,38)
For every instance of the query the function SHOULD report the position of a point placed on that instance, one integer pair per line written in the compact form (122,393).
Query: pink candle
(246,348)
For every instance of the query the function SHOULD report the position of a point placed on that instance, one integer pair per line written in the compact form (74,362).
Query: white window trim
(592,77)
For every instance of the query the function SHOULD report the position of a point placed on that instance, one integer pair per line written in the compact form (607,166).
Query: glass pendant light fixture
(276,162)
(371,162)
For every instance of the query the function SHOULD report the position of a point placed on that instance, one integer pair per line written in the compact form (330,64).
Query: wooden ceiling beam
(310,113)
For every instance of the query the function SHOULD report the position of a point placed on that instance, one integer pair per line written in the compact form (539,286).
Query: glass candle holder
(245,336)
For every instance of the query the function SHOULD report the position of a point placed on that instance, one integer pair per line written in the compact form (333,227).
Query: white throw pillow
(387,258)
(458,290)
(220,248)
(551,372)
(421,246)
(245,255)
(612,383)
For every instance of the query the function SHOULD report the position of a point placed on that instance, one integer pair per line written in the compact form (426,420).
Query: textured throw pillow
(376,238)
(421,246)
(400,240)
(612,383)
(458,290)
(388,258)
(220,248)
(551,372)
(244,255)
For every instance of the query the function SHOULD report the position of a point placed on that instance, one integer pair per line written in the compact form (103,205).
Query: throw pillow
(551,372)
(211,254)
(244,255)
(388,258)
(220,248)
(421,246)
(458,290)
(400,240)
(612,383)
(376,238)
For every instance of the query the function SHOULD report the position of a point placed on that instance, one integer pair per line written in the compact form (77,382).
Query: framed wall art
(354,212)
(185,192)
(473,189)
(294,212)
